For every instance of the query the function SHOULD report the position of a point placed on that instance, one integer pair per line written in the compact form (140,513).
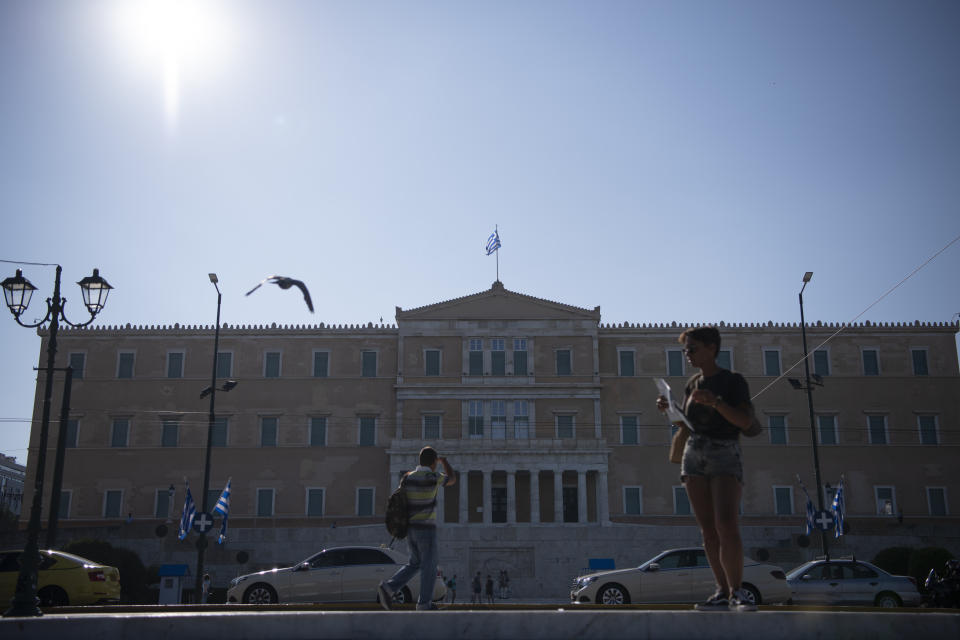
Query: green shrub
(895,560)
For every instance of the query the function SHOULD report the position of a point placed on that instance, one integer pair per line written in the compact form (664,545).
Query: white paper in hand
(674,413)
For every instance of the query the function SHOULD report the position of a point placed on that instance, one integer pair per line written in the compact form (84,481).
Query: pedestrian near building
(421,486)
(489,589)
(477,588)
(452,588)
(205,592)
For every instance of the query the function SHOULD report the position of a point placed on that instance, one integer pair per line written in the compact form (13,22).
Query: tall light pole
(813,428)
(17,292)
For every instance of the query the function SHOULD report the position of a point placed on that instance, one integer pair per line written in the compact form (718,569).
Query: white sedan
(676,576)
(340,574)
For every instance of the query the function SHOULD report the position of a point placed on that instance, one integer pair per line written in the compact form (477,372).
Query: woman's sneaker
(717,602)
(741,601)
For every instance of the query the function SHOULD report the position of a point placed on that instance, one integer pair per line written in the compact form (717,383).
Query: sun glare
(183,40)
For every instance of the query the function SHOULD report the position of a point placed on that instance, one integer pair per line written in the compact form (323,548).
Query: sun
(179,38)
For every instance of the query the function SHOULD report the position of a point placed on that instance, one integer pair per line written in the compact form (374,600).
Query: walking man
(421,486)
(476,589)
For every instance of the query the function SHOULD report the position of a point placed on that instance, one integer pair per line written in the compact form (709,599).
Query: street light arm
(46,318)
(63,316)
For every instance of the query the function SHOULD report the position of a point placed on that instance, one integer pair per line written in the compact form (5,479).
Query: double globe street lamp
(17,292)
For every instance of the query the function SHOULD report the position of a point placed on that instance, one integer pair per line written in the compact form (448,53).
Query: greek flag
(223,508)
(838,508)
(811,511)
(493,242)
(189,511)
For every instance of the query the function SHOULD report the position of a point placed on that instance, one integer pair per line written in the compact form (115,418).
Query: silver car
(339,574)
(676,576)
(850,581)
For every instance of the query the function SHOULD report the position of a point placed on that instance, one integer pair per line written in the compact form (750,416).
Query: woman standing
(717,406)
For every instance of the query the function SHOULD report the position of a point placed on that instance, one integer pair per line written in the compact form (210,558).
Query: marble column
(464,482)
(487,497)
(603,499)
(558,495)
(581,496)
(534,496)
(511,497)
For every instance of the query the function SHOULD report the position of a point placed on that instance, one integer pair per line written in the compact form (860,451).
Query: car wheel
(53,596)
(753,594)
(888,600)
(612,593)
(403,596)
(260,593)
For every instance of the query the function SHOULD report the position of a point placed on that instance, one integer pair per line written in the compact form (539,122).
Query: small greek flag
(838,508)
(223,508)
(189,511)
(811,511)
(493,242)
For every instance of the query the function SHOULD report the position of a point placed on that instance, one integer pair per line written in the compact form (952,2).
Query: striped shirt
(422,485)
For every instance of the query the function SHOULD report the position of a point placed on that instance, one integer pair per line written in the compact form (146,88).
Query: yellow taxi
(62,579)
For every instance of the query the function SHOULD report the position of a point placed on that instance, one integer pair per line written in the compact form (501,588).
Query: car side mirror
(303,566)
(653,566)
(806,578)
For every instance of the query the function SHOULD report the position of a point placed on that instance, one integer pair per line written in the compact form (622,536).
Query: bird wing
(259,285)
(306,294)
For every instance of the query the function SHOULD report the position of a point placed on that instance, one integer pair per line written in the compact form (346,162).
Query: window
(771,362)
(871,362)
(162,502)
(431,426)
(112,501)
(315,503)
(168,433)
(120,432)
(783,501)
(674,362)
(175,364)
(628,430)
(66,497)
(571,504)
(777,426)
(321,364)
(498,357)
(821,362)
(218,438)
(77,362)
(520,357)
(268,431)
(368,431)
(431,360)
(633,501)
(828,429)
(919,362)
(886,501)
(368,364)
(265,503)
(365,501)
(318,431)
(563,362)
(224,364)
(877,426)
(928,429)
(125,364)
(73,427)
(626,357)
(521,420)
(476,357)
(725,359)
(565,426)
(681,503)
(476,419)
(498,419)
(271,364)
(937,500)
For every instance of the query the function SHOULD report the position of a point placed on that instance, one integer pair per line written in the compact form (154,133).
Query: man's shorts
(710,457)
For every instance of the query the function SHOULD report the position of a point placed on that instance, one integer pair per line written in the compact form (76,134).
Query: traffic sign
(203,522)
(824,520)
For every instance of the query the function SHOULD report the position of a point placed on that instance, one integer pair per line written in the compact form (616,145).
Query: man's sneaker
(742,601)
(717,602)
(386,598)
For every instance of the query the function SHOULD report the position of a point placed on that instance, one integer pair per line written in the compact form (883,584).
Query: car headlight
(585,581)
(237,581)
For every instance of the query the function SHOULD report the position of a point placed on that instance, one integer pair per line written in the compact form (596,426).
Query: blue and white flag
(223,508)
(811,511)
(839,508)
(189,512)
(493,242)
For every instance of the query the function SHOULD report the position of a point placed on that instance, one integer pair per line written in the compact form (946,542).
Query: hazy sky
(667,161)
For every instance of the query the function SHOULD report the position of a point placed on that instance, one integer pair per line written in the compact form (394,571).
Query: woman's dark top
(707,421)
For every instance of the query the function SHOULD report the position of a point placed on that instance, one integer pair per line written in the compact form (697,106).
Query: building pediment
(498,303)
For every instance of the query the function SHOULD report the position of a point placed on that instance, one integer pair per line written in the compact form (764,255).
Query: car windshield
(799,571)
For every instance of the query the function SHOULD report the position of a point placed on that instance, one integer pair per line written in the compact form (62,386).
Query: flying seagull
(285,283)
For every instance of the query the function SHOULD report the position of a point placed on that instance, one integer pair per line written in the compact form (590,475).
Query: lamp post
(212,392)
(171,490)
(813,428)
(17,292)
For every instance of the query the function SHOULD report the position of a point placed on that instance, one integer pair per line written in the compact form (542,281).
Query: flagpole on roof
(496,231)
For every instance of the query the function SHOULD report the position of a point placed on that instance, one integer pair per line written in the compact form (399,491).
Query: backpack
(397,518)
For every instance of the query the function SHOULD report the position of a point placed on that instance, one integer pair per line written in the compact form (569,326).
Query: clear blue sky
(667,161)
